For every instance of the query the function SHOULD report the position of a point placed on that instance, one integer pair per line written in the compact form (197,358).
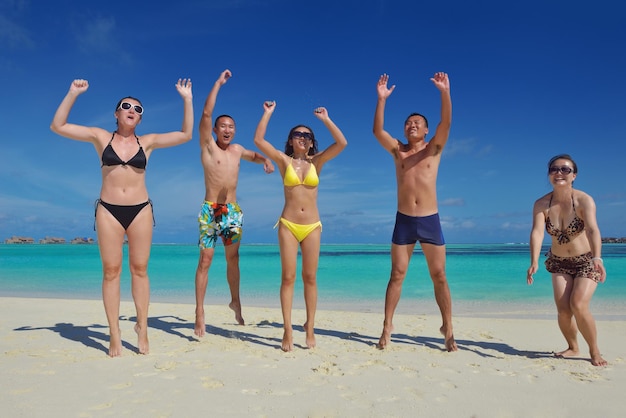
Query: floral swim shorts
(577,266)
(219,219)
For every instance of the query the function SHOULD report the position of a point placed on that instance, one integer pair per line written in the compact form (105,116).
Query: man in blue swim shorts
(417,218)
(220,214)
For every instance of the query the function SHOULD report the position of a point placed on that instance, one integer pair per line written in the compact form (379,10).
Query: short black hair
(416,114)
(220,117)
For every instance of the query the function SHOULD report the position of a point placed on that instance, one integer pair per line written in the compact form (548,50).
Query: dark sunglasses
(564,170)
(126,106)
(299,134)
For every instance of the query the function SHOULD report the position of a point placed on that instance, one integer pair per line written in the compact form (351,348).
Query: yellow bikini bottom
(298,230)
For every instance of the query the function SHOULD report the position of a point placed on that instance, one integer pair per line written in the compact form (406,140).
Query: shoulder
(145,139)
(236,148)
(582,199)
(101,134)
(542,203)
(579,194)
(101,137)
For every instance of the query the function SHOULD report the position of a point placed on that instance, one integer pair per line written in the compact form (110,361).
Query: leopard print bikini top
(576,227)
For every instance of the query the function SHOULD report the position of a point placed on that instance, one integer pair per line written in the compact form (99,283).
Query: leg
(400,257)
(202,279)
(562,285)
(310,247)
(139,235)
(436,260)
(233,277)
(580,298)
(288,258)
(110,241)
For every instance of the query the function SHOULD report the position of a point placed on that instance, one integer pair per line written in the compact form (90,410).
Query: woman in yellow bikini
(299,223)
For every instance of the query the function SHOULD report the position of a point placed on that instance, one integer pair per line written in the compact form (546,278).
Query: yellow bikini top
(291,177)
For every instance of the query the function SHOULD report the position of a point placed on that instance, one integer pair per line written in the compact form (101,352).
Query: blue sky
(529,80)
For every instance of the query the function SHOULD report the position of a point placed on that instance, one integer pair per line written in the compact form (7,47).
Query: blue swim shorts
(410,229)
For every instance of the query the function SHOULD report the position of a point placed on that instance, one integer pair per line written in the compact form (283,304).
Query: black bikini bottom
(123,213)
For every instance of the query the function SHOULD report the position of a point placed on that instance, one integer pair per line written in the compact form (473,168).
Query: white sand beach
(54,363)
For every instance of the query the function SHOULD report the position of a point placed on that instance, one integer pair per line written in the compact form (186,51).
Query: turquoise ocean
(485,279)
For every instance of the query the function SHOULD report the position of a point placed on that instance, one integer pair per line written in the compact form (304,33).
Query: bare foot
(200,327)
(385,338)
(287,344)
(115,344)
(597,360)
(570,352)
(449,339)
(237,308)
(142,339)
(310,336)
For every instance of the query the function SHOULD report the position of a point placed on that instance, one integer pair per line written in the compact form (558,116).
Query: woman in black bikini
(124,208)
(574,259)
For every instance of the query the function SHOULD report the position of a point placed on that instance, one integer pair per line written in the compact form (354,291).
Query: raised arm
(59,123)
(183,86)
(259,135)
(206,122)
(442,83)
(336,147)
(536,239)
(384,138)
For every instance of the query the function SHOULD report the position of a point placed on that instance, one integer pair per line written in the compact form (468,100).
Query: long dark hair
(289,147)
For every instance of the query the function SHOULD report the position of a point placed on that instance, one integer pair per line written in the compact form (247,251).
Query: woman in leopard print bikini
(574,259)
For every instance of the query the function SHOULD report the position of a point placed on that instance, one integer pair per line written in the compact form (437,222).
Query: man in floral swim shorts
(220,214)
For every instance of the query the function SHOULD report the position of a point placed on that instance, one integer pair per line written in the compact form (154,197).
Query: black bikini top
(110,157)
(574,228)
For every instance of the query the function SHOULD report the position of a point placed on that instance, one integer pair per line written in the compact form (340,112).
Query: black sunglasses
(126,106)
(299,134)
(564,170)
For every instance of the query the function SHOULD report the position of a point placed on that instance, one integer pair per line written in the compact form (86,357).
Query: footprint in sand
(586,377)
(166,365)
(387,399)
(532,378)
(370,363)
(101,406)
(329,369)
(21,391)
(505,373)
(250,391)
(209,383)
(475,367)
(120,386)
(448,385)
(281,393)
